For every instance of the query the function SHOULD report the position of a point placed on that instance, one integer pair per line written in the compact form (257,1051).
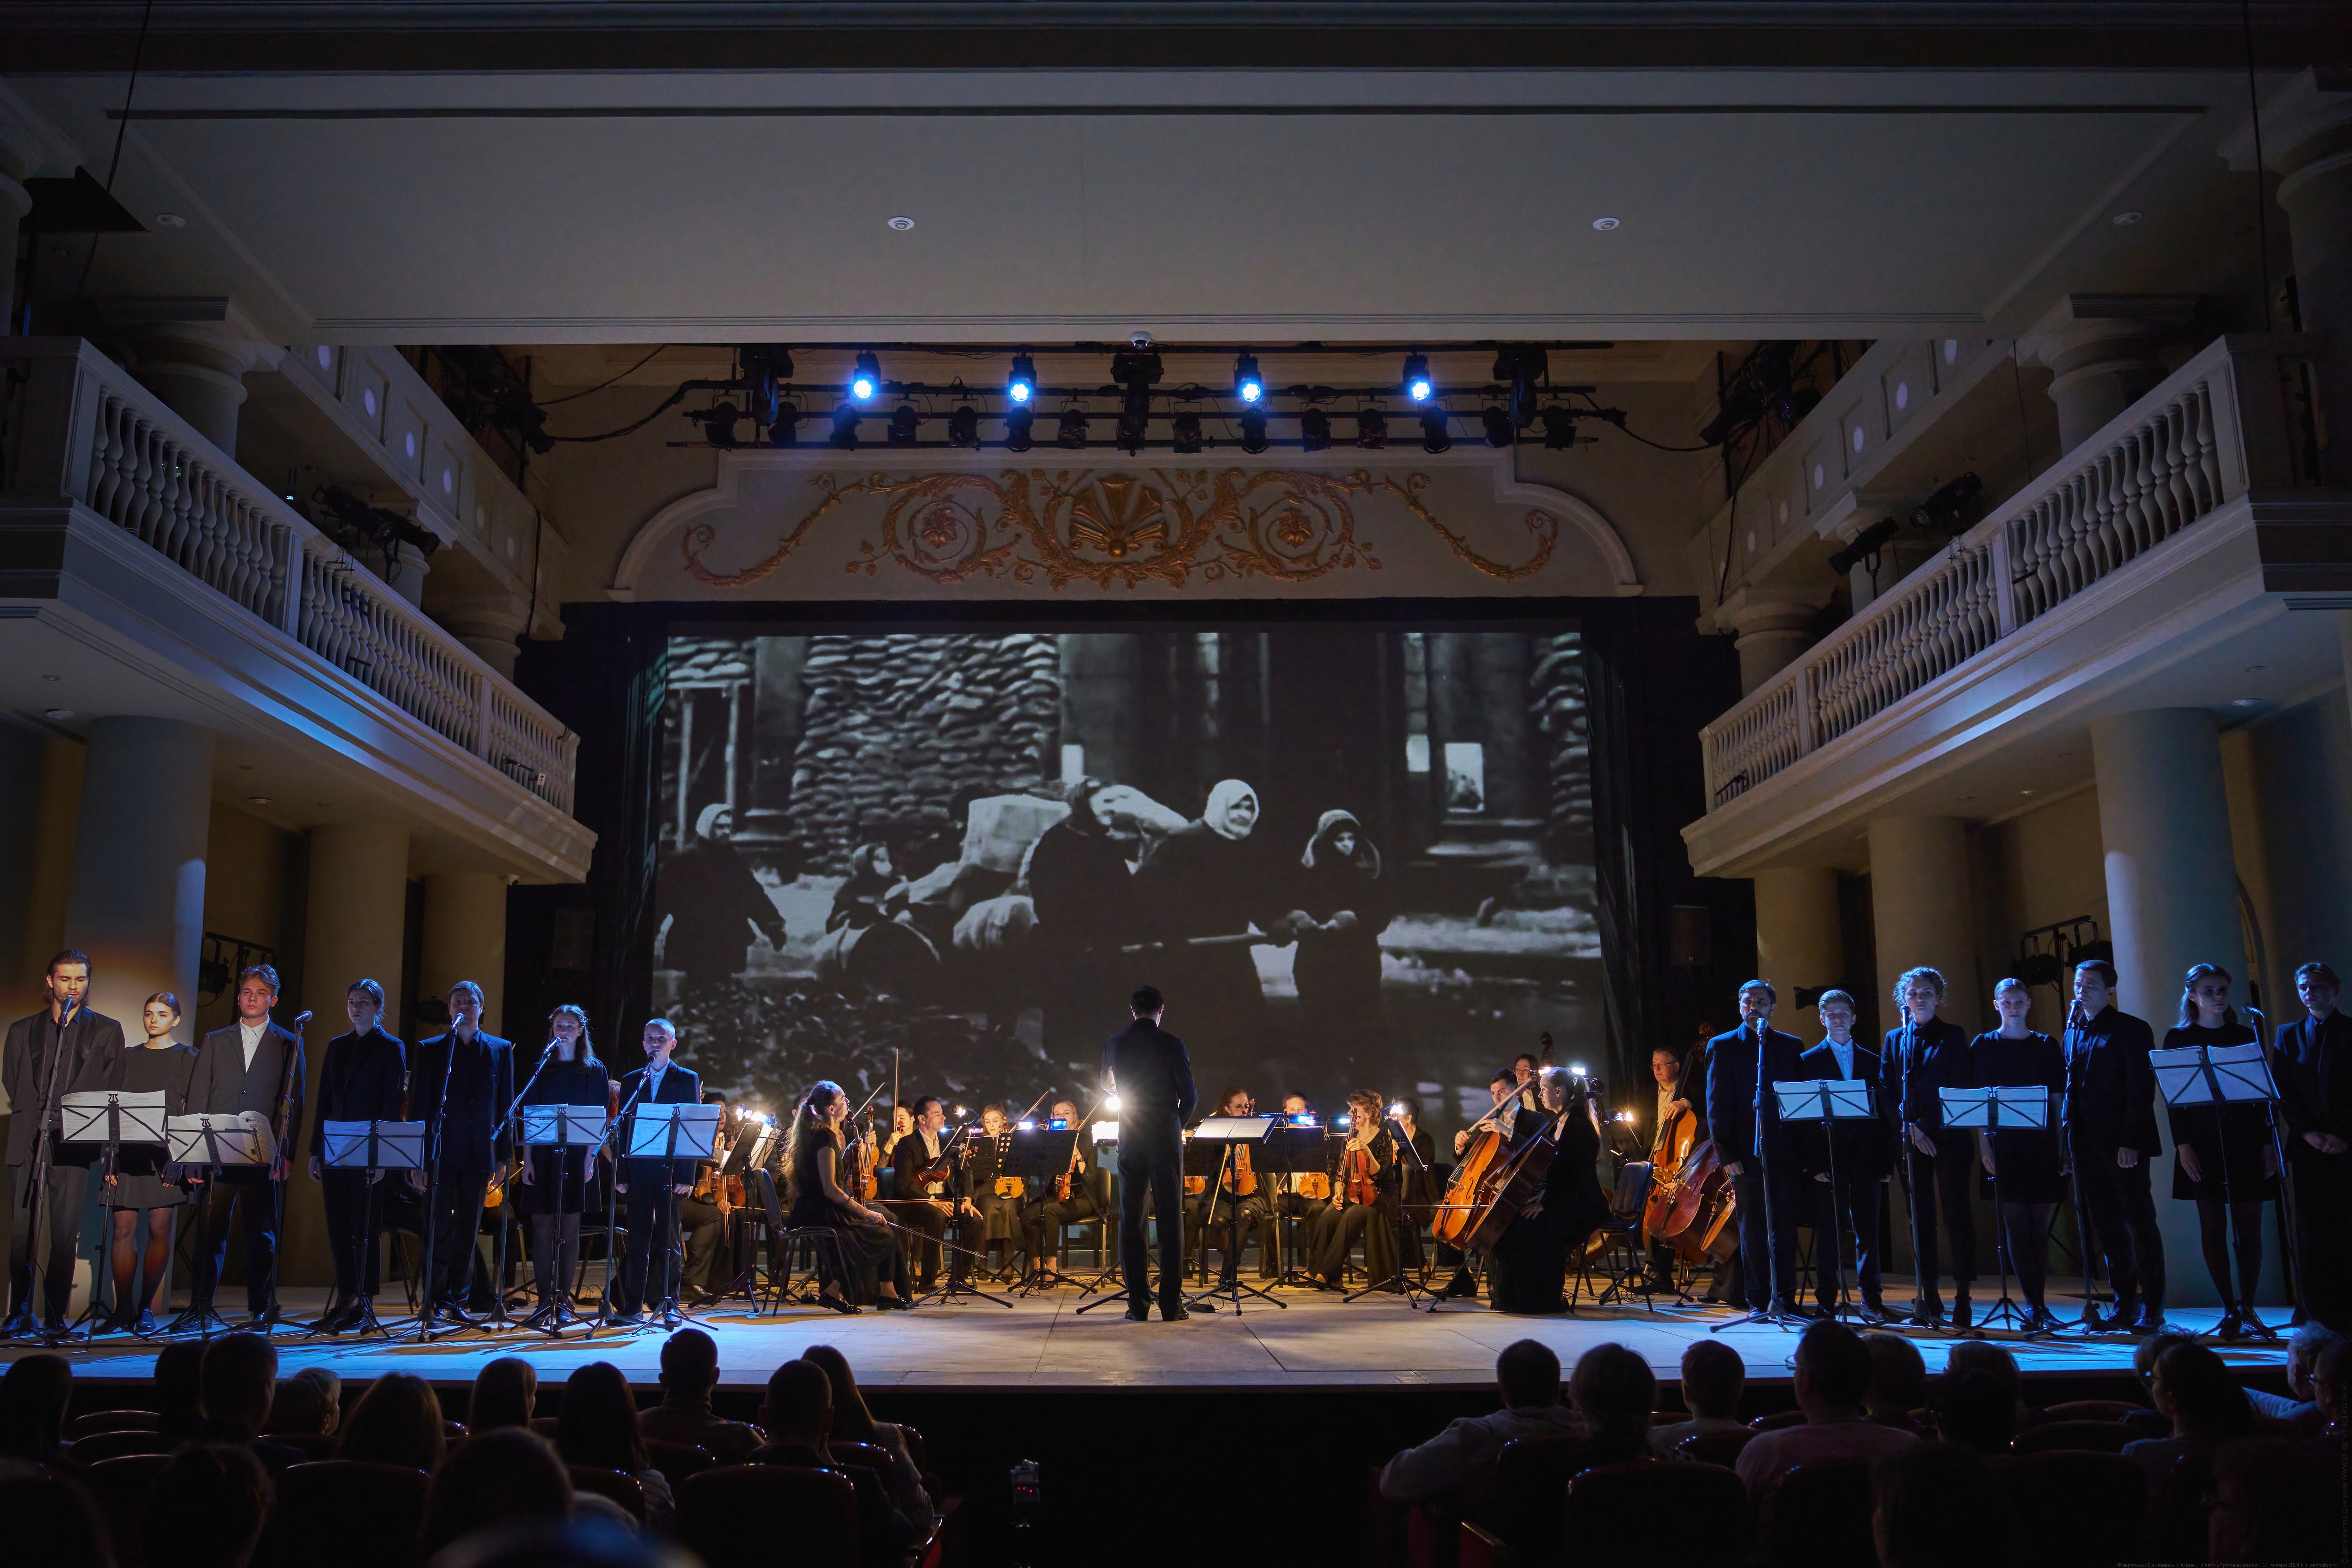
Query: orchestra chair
(1821,1518)
(1777,1419)
(123,1484)
(1614,1512)
(731,1513)
(2075,1510)
(1099,1190)
(369,1512)
(96,1421)
(820,1239)
(2075,1437)
(1716,1448)
(101,1446)
(676,1461)
(2095,1410)
(618,1485)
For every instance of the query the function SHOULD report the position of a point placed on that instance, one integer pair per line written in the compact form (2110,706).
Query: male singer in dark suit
(1865,1157)
(1149,1071)
(2315,1083)
(1758,1153)
(1925,1054)
(2109,1122)
(463,1085)
(245,1067)
(652,1187)
(364,1078)
(26,1063)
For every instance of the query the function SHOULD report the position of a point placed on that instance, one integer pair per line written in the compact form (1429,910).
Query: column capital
(2084,330)
(2308,118)
(1748,611)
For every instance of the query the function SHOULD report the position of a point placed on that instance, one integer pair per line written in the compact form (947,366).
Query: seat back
(91,1421)
(1620,1516)
(99,1446)
(731,1513)
(121,1484)
(676,1461)
(872,1456)
(2076,1509)
(1820,1517)
(1777,1419)
(1716,1448)
(618,1485)
(360,1515)
(2089,1436)
(310,1445)
(1530,1488)
(2094,1410)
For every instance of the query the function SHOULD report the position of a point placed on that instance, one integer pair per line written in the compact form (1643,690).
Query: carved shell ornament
(1116,528)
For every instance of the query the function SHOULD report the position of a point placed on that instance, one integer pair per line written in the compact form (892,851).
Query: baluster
(2204,458)
(106,478)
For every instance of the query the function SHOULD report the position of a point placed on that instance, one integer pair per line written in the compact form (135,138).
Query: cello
(1457,1215)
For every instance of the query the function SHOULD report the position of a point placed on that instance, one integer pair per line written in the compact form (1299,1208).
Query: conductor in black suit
(652,1186)
(464,1082)
(364,1078)
(33,1048)
(1146,1067)
(1759,1154)
(244,1067)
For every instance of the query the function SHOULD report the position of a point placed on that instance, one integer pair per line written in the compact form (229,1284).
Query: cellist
(1528,1264)
(1675,1128)
(1504,1087)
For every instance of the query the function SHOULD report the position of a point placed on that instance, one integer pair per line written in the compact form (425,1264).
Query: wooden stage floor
(1043,1342)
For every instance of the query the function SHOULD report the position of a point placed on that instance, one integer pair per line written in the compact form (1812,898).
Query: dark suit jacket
(364,1079)
(481,1087)
(1864,1149)
(223,1083)
(1915,1063)
(1154,1074)
(25,1064)
(679,1086)
(2111,1087)
(1743,1116)
(908,1160)
(2314,1065)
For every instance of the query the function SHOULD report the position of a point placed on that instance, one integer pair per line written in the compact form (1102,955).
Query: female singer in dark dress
(143,1180)
(1351,1212)
(816,1200)
(2223,1155)
(2024,1168)
(573,1076)
(1528,1265)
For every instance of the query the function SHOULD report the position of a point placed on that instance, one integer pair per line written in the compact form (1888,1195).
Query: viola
(1245,1179)
(1362,1174)
(867,1150)
(1315,1186)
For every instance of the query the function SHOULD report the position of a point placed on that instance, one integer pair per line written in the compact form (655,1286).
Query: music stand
(670,1133)
(1038,1155)
(1219,1137)
(746,1156)
(1400,1228)
(1993,1110)
(2221,1076)
(1291,1149)
(370,1146)
(1828,1100)
(210,1140)
(112,1117)
(1104,1135)
(561,1127)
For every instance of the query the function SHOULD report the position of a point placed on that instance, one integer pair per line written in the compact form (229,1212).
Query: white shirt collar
(1845,1054)
(251,1034)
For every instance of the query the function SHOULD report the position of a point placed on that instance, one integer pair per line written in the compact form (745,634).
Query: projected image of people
(1347,855)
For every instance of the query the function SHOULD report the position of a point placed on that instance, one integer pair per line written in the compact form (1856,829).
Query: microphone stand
(606,1316)
(1906,1150)
(295,1072)
(2290,1265)
(496,1318)
(1771,1312)
(432,1189)
(2083,1238)
(48,1334)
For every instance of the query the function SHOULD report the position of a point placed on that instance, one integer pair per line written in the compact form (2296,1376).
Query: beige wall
(2290,782)
(246,877)
(2043,866)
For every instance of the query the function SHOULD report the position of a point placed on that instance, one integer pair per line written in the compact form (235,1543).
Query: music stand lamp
(669,1133)
(207,1142)
(114,1118)
(1828,1100)
(2221,1076)
(1226,1134)
(564,1128)
(369,1146)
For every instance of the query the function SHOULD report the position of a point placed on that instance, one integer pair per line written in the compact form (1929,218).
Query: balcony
(2179,527)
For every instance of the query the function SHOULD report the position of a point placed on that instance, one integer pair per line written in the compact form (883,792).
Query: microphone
(300,1019)
(66,1008)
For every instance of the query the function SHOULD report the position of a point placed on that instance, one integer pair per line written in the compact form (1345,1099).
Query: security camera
(1139,339)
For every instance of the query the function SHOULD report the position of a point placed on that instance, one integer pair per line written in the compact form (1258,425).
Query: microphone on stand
(300,1019)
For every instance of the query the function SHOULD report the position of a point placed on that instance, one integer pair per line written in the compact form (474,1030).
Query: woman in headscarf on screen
(1198,891)
(1348,903)
(718,906)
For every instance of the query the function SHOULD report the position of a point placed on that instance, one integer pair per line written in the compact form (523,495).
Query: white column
(466,937)
(136,900)
(2103,347)
(1774,626)
(198,368)
(1922,913)
(490,625)
(1798,938)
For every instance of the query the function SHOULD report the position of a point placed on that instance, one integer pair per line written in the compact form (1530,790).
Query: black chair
(2075,1508)
(97,1421)
(1615,1512)
(2089,1436)
(367,1514)
(729,1514)
(1716,1448)
(619,1485)
(1820,1517)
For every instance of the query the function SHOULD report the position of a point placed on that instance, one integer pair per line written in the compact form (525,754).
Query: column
(1798,938)
(466,937)
(135,902)
(490,625)
(1922,913)
(353,929)
(2172,900)
(18,157)
(2103,347)
(1772,627)
(197,368)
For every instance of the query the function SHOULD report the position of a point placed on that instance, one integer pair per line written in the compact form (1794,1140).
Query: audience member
(1456,1468)
(1935,1505)
(2150,1423)
(2331,1389)
(2275,1500)
(689,1371)
(308,1404)
(2195,1391)
(34,1394)
(1898,1383)
(1973,1411)
(1994,1361)
(798,1414)
(1615,1391)
(499,1477)
(52,1522)
(396,1422)
(1833,1367)
(1713,1379)
(207,1507)
(578,1543)
(239,1378)
(180,1388)
(2298,1406)
(598,1427)
(854,1423)
(505,1394)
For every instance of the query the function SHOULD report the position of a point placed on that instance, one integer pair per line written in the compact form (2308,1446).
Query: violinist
(1363,1202)
(706,1215)
(1000,1200)
(1418,1193)
(1236,1204)
(1529,1265)
(1505,1089)
(902,1123)
(1072,1198)
(572,1076)
(1299,1195)
(926,1201)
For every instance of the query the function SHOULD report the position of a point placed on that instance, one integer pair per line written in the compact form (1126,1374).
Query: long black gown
(1528,1267)
(863,1245)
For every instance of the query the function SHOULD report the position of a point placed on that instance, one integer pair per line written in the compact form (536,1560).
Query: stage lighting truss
(963,426)
(904,422)
(1372,429)
(1073,432)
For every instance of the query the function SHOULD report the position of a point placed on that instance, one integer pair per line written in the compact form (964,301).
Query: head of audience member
(2275,1500)
(2303,1350)
(180,1388)
(1996,1362)
(2331,1385)
(1528,1373)
(53,1523)
(308,1404)
(598,1424)
(689,1367)
(2146,1354)
(505,1394)
(396,1422)
(798,1411)
(852,1421)
(1615,1391)
(1937,1505)
(240,1380)
(494,1478)
(1832,1372)
(1713,1379)
(34,1394)
(206,1508)
(1973,1410)
(2195,1391)
(1898,1378)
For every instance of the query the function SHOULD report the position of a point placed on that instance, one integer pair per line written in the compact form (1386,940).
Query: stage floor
(1045,1343)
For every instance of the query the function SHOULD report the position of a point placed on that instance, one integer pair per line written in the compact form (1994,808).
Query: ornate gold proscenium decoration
(1075,526)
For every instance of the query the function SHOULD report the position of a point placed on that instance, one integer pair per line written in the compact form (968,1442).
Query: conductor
(1148,1068)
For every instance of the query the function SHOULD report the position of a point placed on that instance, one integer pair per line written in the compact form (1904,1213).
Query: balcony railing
(2214,430)
(81,428)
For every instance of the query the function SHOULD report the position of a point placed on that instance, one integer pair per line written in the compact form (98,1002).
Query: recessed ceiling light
(170,221)
(2246,702)
(2125,220)
(59,713)
(1604,224)
(2251,669)
(61,677)
(258,800)
(902,223)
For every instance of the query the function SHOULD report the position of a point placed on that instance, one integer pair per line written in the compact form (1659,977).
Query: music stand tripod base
(2024,1107)
(201,1142)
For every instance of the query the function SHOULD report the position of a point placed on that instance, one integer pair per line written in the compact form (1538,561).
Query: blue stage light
(1021,384)
(1248,385)
(865,379)
(1418,386)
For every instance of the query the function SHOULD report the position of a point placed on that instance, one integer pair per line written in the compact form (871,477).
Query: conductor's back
(1153,1076)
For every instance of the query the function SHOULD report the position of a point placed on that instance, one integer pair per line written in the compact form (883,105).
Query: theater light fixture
(1186,429)
(1073,432)
(845,428)
(1020,430)
(1021,384)
(865,377)
(1315,431)
(1248,385)
(1559,429)
(1520,368)
(1435,435)
(1417,384)
(963,425)
(1253,424)
(1372,429)
(903,421)
(783,429)
(1498,426)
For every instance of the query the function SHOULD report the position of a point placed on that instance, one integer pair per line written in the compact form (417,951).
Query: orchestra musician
(43,1057)
(863,1245)
(1001,1199)
(650,1184)
(1503,1088)
(1743,1118)
(2024,1167)
(2313,1066)
(1925,1054)
(1420,1192)
(1841,1193)
(464,1082)
(573,1076)
(244,1068)
(1236,1203)
(1528,1264)
(1363,1202)
(926,1207)
(363,1078)
(1525,1069)
(1666,1073)
(2109,1122)
(1081,1175)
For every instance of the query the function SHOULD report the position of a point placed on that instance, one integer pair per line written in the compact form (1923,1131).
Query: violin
(1363,1175)
(1245,1178)
(867,1155)
(1077,1162)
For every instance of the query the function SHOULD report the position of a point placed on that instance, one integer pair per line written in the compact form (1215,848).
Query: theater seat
(618,1485)
(121,1484)
(676,1461)
(102,1446)
(1820,1517)
(1530,1490)
(872,1457)
(2076,1509)
(91,1421)
(1777,1419)
(2094,1410)
(354,1514)
(733,1514)
(1618,1515)
(2087,1436)
(1715,1448)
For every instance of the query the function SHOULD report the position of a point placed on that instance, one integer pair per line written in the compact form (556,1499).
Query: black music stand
(369,1146)
(747,1157)
(1399,1228)
(953,1254)
(1992,1110)
(1102,1134)
(667,1133)
(1290,1149)
(564,1128)
(2221,1076)
(1218,1138)
(1038,1155)
(207,1140)
(95,1116)
(1828,1100)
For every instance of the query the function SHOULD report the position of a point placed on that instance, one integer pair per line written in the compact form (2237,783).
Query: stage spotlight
(1131,430)
(1110,1103)
(1315,431)
(845,427)
(1372,429)
(1187,431)
(1248,385)
(783,429)
(1435,435)
(1520,369)
(719,423)
(1417,384)
(1021,384)
(903,421)
(1026,1125)
(1253,424)
(963,426)
(1498,426)
(865,379)
(1019,432)
(1073,433)
(1559,429)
